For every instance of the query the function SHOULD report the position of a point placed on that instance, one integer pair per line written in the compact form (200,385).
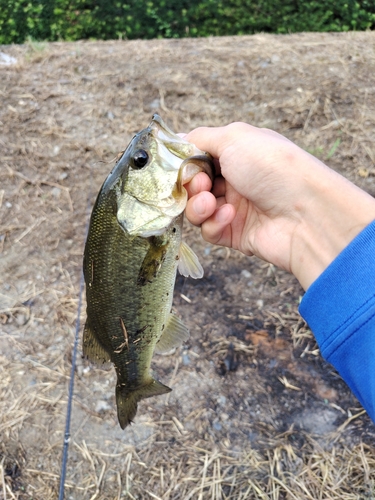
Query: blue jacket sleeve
(339,307)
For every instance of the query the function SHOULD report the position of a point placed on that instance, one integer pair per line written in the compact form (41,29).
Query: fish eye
(140,159)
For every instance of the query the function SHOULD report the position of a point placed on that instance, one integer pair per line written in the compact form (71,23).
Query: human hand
(274,200)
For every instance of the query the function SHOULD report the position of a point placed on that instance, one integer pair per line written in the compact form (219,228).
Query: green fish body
(131,257)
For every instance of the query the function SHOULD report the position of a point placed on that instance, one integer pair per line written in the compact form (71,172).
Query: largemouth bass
(132,252)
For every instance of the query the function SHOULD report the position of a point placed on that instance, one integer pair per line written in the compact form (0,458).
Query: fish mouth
(173,148)
(173,142)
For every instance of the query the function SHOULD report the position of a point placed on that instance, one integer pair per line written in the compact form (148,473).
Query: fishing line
(70,394)
(72,370)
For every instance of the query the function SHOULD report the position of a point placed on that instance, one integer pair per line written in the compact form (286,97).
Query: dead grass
(205,470)
(255,412)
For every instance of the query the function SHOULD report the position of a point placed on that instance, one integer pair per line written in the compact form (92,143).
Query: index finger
(209,139)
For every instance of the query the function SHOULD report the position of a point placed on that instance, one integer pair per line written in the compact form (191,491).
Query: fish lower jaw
(150,232)
(154,229)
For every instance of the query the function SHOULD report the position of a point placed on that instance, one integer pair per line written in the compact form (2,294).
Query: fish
(133,249)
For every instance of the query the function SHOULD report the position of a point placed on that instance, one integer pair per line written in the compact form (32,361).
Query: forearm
(333,213)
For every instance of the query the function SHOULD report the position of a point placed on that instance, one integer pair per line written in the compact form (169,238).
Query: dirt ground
(255,412)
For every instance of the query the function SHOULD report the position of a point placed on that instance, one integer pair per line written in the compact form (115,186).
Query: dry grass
(254,412)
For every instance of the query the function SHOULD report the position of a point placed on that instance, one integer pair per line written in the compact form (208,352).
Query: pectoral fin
(174,334)
(152,262)
(188,264)
(92,349)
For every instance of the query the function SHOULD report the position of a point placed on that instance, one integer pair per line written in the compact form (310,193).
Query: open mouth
(173,149)
(173,142)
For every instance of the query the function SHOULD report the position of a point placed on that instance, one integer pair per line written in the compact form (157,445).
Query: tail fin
(127,399)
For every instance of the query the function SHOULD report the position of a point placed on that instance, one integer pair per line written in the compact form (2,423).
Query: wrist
(334,212)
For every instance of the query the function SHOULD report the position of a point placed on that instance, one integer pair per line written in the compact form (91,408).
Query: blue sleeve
(339,307)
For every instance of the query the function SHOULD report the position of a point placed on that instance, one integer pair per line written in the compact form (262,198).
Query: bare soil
(255,411)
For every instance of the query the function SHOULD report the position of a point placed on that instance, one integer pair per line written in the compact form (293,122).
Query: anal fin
(92,349)
(174,334)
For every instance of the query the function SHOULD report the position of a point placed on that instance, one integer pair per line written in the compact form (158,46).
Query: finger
(200,182)
(217,228)
(208,139)
(200,207)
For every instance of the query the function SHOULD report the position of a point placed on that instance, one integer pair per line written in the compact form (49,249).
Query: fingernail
(199,205)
